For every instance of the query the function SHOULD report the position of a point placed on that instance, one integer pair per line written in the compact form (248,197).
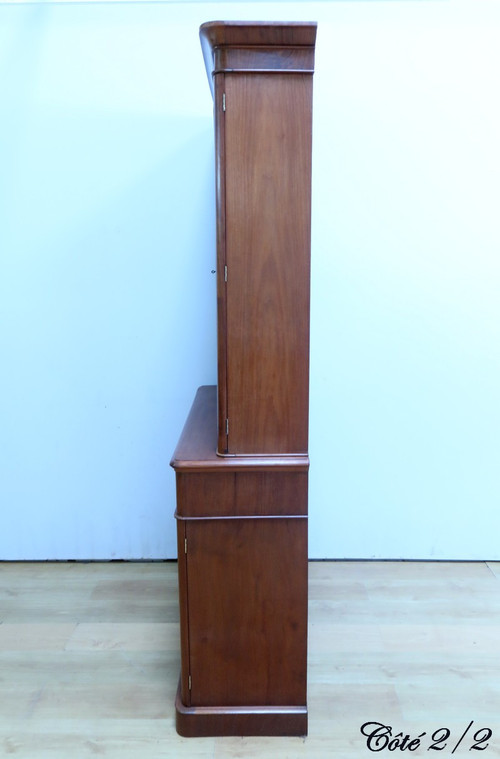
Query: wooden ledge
(258,33)
(196,449)
(202,721)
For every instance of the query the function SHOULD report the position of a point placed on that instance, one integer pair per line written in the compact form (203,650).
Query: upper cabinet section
(261,76)
(250,46)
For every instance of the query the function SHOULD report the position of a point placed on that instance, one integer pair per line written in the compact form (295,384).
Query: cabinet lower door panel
(246,588)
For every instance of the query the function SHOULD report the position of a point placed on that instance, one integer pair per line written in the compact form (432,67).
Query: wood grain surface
(247,608)
(268,210)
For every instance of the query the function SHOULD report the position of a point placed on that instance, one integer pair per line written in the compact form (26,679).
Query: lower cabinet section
(242,561)
(243,585)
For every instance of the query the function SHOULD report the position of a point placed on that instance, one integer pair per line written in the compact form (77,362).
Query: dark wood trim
(261,71)
(203,518)
(201,721)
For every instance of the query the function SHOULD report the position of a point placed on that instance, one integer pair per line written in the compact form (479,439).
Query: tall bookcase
(242,463)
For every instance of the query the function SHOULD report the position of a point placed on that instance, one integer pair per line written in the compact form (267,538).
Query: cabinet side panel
(268,180)
(248,611)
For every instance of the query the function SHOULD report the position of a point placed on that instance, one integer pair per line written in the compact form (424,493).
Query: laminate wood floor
(89,661)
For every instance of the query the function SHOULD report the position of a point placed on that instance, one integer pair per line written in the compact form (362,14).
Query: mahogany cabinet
(261,76)
(241,463)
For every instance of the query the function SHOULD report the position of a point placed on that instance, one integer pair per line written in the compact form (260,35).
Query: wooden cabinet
(241,463)
(262,84)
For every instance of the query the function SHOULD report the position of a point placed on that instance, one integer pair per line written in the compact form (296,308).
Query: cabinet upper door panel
(267,169)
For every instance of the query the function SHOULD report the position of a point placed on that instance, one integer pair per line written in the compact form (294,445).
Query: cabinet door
(247,610)
(267,173)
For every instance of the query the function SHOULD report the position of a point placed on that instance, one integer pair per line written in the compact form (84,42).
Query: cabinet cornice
(246,47)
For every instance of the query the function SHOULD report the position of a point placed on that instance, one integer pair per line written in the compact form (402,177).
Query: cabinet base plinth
(204,721)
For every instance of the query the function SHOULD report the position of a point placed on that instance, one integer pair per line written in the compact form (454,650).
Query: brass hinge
(223,101)
(185,545)
(189,682)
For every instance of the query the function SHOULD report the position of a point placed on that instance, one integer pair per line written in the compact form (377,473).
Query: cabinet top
(295,33)
(196,447)
(258,46)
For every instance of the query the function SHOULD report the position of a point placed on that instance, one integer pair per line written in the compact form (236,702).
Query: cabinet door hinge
(185,545)
(223,101)
(227,426)
(189,682)
(225,273)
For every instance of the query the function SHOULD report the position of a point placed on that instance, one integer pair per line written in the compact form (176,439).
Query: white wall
(107,307)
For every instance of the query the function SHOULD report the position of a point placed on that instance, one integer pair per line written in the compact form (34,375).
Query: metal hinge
(227,426)
(223,101)
(185,545)
(189,682)
(225,273)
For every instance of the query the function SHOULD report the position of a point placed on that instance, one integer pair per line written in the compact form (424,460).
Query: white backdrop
(107,303)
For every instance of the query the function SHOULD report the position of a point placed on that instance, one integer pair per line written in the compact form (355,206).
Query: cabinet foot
(199,721)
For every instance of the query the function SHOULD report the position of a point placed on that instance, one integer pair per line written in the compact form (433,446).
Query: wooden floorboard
(89,660)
